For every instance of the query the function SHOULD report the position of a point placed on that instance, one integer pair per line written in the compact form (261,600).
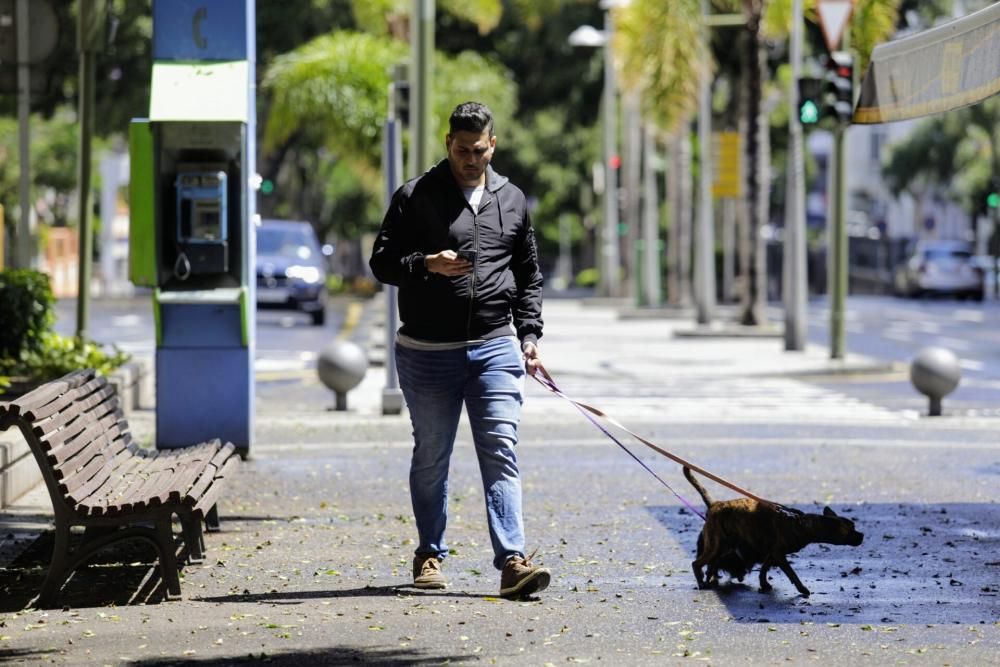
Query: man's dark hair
(471,117)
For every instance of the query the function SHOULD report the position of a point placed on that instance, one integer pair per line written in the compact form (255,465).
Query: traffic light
(993,200)
(838,87)
(810,90)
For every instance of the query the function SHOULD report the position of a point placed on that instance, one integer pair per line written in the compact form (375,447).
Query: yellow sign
(727,181)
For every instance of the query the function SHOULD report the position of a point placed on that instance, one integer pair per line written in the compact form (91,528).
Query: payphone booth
(192,214)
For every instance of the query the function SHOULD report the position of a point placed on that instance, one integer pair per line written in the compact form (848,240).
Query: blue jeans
(488,378)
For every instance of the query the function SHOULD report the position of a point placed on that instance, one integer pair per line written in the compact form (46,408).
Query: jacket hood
(494,180)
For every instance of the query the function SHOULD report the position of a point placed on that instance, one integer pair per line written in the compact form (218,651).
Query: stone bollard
(341,367)
(935,372)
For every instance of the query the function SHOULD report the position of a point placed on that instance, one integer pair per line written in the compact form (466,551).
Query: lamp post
(592,37)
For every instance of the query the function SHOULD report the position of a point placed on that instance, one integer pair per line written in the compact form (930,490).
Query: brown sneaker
(427,572)
(520,578)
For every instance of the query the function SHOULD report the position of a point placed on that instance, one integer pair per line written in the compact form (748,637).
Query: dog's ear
(828,512)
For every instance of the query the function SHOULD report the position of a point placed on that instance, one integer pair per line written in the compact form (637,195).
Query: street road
(286,341)
(892,329)
(884,328)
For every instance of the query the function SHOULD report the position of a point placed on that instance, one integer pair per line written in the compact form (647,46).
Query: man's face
(468,155)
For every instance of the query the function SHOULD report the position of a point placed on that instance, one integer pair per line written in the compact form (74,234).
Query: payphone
(192,208)
(201,221)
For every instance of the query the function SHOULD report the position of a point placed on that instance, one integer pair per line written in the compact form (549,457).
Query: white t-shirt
(474,196)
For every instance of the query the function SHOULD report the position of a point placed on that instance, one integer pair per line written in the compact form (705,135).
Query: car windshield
(286,242)
(946,253)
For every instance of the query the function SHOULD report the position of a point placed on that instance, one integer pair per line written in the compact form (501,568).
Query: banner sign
(938,70)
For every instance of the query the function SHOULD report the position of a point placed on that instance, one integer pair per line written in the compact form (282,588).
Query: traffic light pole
(794,274)
(838,245)
(838,234)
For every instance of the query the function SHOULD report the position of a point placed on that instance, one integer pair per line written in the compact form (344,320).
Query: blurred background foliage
(323,70)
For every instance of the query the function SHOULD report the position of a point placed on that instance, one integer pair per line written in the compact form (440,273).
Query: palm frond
(659,51)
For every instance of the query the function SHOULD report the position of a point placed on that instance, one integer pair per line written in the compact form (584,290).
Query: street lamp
(592,37)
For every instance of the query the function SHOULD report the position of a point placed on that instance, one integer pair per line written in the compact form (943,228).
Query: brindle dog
(740,533)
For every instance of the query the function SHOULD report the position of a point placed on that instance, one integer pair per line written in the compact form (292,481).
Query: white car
(940,267)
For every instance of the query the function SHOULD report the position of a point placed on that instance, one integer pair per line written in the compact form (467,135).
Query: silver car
(940,267)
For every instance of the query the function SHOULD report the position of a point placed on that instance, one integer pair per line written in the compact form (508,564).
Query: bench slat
(46,392)
(93,467)
(154,472)
(211,496)
(38,413)
(112,470)
(85,444)
(80,408)
(96,503)
(126,486)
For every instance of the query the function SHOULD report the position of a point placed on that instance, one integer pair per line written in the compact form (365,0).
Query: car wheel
(318,317)
(977,296)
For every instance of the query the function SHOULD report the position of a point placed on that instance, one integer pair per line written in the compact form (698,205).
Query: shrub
(588,277)
(25,310)
(29,349)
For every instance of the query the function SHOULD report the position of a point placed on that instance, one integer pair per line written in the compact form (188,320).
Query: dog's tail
(698,487)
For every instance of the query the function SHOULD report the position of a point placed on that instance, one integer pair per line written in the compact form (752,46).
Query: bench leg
(212,519)
(194,541)
(168,557)
(57,567)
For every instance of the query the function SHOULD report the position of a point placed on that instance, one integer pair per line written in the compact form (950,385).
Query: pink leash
(591,412)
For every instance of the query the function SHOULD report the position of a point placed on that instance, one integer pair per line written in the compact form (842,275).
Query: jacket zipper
(475,264)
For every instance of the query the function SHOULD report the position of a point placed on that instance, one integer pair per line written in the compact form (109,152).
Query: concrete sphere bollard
(935,372)
(341,367)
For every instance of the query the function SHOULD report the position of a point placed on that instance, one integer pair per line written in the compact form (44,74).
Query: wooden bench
(98,478)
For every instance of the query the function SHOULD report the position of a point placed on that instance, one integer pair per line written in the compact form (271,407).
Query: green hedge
(29,349)
(26,312)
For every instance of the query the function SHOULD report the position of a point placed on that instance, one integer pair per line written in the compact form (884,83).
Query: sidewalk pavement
(314,557)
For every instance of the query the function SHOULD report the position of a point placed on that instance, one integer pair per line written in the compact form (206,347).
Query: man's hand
(530,354)
(447,263)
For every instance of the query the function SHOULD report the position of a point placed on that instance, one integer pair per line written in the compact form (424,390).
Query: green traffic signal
(808,112)
(810,89)
(266,186)
(993,200)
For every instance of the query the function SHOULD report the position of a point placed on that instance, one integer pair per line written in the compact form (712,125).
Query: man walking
(458,243)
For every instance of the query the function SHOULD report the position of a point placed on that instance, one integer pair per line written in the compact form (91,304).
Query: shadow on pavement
(125,573)
(366,591)
(338,655)
(935,563)
(24,655)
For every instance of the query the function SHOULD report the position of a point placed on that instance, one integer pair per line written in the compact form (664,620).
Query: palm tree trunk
(686,218)
(751,314)
(671,185)
(763,203)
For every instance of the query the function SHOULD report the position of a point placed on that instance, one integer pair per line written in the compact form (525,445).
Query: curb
(731,331)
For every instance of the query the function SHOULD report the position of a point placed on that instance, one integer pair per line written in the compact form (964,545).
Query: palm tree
(328,100)
(659,52)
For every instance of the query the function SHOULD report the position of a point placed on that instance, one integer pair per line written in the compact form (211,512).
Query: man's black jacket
(429,214)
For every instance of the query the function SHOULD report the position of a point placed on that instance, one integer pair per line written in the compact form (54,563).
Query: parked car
(290,268)
(939,267)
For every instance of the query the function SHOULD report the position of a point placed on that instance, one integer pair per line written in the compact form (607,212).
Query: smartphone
(468,255)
